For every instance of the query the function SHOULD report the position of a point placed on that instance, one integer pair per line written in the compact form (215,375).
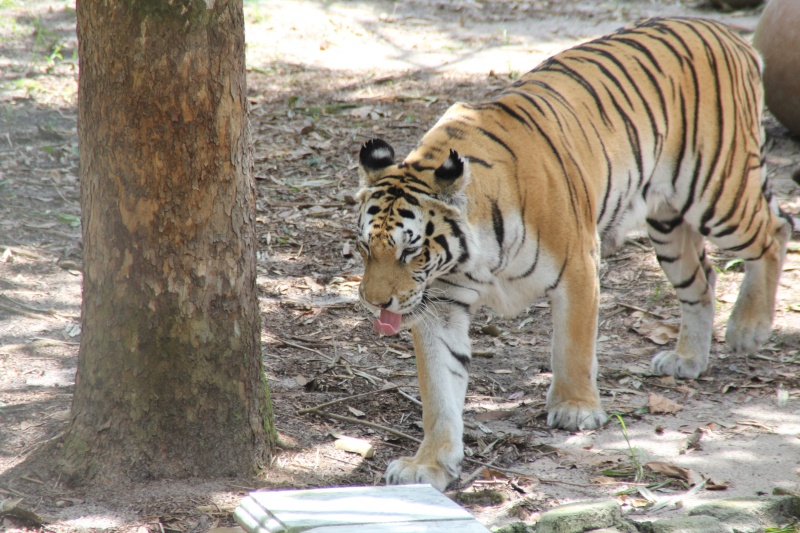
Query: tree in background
(170,380)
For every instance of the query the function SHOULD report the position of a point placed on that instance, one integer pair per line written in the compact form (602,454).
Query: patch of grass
(734,265)
(793,528)
(658,291)
(633,467)
(47,42)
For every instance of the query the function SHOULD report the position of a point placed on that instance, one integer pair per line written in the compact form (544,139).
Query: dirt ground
(323,78)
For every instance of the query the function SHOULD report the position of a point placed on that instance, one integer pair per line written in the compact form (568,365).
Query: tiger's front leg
(573,401)
(442,346)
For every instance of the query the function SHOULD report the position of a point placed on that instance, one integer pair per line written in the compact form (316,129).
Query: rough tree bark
(170,380)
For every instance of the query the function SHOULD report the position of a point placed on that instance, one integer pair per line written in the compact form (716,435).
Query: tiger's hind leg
(760,239)
(681,252)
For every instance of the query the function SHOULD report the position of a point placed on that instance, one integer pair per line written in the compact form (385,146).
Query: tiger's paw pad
(747,337)
(574,416)
(406,470)
(669,363)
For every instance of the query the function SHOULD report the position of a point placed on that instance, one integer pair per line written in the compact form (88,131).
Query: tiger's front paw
(576,416)
(408,470)
(669,363)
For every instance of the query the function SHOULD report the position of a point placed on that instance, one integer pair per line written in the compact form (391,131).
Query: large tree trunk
(170,379)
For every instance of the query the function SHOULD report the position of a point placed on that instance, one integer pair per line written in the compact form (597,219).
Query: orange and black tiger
(509,199)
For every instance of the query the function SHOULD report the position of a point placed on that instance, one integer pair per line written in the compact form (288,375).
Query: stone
(514,527)
(778,41)
(687,524)
(751,515)
(580,517)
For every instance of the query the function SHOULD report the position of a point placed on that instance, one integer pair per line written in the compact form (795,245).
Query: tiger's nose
(371,298)
(386,305)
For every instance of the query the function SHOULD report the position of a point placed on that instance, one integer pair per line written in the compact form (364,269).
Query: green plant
(634,465)
(791,528)
(736,265)
(657,295)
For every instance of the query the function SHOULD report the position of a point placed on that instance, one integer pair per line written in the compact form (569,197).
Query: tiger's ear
(451,178)
(376,155)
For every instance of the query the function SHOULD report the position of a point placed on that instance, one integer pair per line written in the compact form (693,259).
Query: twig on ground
(366,423)
(475,473)
(21,251)
(408,397)
(300,347)
(26,307)
(339,400)
(22,312)
(638,245)
(633,307)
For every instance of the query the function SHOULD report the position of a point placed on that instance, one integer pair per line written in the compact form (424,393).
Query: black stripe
(664,226)
(516,116)
(496,139)
(464,359)
(747,243)
(442,241)
(632,82)
(497,225)
(687,282)
(580,80)
(478,161)
(532,268)
(636,45)
(560,273)
(462,239)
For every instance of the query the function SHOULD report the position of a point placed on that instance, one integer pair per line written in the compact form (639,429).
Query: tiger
(656,125)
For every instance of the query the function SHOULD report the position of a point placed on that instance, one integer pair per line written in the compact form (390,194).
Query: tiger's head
(411,229)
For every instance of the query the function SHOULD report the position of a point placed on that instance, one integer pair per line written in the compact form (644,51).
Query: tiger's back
(638,116)
(506,200)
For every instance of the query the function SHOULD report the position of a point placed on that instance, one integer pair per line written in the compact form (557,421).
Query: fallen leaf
(658,332)
(668,469)
(356,412)
(663,334)
(660,404)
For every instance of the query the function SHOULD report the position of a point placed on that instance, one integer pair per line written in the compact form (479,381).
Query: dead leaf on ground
(670,470)
(660,404)
(356,412)
(656,331)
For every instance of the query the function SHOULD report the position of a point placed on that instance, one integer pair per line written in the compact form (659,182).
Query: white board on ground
(398,509)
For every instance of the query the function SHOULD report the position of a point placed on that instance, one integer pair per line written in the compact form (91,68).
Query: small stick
(22,312)
(368,424)
(629,306)
(28,307)
(475,473)
(332,402)
(408,397)
(523,474)
(299,347)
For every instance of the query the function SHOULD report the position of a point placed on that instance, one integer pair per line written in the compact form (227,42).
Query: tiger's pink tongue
(388,323)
